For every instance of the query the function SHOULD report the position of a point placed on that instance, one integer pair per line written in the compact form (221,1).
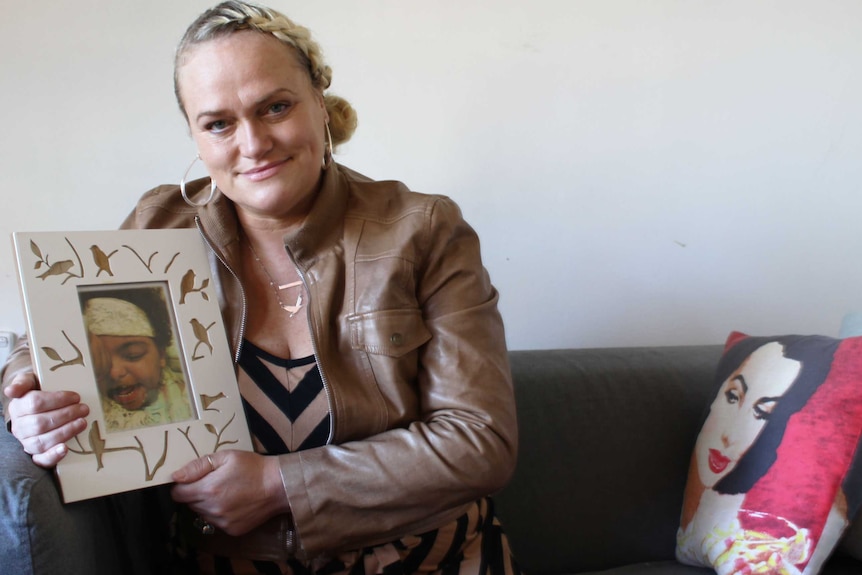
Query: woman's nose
(255,139)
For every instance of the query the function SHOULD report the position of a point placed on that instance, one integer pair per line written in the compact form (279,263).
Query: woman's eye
(763,409)
(731,396)
(216,126)
(278,108)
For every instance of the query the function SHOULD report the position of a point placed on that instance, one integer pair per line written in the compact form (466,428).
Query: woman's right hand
(43,421)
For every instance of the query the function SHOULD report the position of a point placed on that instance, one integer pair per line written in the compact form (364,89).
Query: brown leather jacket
(412,351)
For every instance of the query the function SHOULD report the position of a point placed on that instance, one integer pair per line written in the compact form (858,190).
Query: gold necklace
(291,309)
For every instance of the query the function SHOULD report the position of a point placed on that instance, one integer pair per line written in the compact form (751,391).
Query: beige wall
(641,172)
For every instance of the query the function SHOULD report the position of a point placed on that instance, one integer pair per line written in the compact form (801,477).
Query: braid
(235,15)
(299,37)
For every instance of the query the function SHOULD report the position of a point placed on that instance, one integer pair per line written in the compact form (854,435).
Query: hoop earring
(327,148)
(183,187)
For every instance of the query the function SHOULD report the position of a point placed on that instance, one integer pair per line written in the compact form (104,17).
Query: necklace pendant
(292,309)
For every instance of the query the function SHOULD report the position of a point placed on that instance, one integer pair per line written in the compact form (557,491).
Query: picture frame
(129,320)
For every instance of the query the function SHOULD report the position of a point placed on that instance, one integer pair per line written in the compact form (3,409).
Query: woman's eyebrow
(741,379)
(255,104)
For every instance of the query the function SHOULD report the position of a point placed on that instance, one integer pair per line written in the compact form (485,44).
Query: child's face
(128,368)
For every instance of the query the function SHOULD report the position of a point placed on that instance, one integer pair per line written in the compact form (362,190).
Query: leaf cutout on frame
(55,355)
(208,400)
(52,353)
(35,249)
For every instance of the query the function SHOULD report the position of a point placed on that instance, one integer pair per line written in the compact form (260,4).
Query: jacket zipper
(315,348)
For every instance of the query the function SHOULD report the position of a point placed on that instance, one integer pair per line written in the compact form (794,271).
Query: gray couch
(606,436)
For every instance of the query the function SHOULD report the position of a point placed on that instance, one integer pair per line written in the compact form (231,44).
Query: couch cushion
(772,476)
(605,438)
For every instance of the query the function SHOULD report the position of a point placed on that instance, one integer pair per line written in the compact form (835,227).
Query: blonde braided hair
(236,15)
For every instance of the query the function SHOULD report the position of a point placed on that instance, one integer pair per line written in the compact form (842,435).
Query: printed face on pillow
(741,409)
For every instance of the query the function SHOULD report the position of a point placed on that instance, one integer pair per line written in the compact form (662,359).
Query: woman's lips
(717,461)
(263,172)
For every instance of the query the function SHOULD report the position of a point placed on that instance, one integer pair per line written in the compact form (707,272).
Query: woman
(129,349)
(381,289)
(764,382)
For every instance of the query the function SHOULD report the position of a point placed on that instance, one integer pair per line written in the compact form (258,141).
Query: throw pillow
(775,478)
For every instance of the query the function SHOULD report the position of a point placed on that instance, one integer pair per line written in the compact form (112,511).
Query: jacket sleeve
(461,445)
(19,361)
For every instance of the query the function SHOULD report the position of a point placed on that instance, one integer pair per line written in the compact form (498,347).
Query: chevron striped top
(284,400)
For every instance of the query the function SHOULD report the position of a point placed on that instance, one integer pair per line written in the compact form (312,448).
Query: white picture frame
(75,285)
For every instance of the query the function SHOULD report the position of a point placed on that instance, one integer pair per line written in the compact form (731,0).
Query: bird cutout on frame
(151,289)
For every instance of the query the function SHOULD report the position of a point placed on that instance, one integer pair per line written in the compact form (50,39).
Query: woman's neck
(694,489)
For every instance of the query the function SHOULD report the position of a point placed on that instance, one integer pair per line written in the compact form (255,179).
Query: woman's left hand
(237,492)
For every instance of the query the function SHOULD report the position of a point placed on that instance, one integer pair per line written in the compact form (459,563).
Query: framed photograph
(130,320)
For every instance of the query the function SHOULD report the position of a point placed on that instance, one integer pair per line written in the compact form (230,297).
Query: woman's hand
(43,421)
(236,493)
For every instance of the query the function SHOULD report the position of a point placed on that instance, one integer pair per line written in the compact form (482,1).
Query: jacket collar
(323,225)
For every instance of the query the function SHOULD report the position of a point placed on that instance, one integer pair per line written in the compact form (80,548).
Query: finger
(20,385)
(186,493)
(36,402)
(195,470)
(52,457)
(25,424)
(42,443)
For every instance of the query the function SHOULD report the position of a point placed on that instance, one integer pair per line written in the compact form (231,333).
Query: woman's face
(128,368)
(258,122)
(741,409)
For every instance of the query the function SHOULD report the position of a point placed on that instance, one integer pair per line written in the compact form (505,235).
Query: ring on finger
(210,461)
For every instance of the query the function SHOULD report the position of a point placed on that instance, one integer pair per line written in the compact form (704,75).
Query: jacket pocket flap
(389,332)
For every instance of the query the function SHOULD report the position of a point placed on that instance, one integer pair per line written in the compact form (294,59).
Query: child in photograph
(137,386)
